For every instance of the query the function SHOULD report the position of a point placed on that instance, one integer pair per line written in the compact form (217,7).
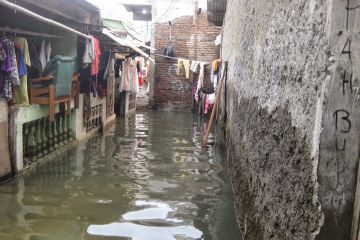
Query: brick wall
(172,91)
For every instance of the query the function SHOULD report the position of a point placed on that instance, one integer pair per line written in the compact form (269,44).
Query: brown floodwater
(146,177)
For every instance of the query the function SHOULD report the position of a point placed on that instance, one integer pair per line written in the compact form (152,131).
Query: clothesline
(176,58)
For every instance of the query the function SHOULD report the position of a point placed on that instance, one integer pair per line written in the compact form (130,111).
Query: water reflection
(147,177)
(141,232)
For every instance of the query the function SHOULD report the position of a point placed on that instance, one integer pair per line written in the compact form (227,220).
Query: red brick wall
(171,91)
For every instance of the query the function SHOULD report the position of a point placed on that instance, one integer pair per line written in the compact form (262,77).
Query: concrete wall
(172,91)
(290,117)
(17,117)
(5,167)
(77,123)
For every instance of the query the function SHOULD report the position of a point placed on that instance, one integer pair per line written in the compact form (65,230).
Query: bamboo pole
(216,104)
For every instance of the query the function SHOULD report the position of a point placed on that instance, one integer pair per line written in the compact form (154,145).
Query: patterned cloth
(8,69)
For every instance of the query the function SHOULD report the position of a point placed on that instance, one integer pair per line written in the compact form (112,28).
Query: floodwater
(146,178)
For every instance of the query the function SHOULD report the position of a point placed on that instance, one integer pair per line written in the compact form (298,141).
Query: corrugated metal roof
(126,42)
(115,25)
(78,11)
(216,11)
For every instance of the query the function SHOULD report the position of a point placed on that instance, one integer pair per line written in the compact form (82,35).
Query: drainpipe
(41,18)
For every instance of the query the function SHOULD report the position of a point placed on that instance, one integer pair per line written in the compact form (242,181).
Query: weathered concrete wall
(5,167)
(340,141)
(287,113)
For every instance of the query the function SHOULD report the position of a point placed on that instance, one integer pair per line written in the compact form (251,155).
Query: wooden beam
(30,33)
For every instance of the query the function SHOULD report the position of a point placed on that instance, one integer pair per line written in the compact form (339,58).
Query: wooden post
(355,228)
(218,94)
(51,103)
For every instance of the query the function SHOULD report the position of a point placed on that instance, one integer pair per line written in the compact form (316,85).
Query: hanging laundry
(187,68)
(109,67)
(95,66)
(48,52)
(89,53)
(21,64)
(215,72)
(200,83)
(134,77)
(194,66)
(21,97)
(97,54)
(9,75)
(2,53)
(212,98)
(141,80)
(129,76)
(215,65)
(125,78)
(207,104)
(184,64)
(35,70)
(42,55)
(214,79)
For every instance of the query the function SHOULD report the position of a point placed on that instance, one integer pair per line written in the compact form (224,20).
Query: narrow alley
(180,119)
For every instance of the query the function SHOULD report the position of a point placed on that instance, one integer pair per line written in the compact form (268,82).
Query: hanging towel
(88,56)
(183,63)
(194,66)
(187,68)
(42,55)
(48,52)
(200,83)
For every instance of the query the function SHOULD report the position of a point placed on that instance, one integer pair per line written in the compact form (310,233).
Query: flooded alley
(146,178)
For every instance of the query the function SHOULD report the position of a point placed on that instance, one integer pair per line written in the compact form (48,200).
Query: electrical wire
(169,10)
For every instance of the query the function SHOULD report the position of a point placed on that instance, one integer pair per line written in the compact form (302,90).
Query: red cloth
(97,52)
(141,81)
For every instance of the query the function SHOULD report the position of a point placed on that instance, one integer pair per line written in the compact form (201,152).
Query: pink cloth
(207,103)
(141,81)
